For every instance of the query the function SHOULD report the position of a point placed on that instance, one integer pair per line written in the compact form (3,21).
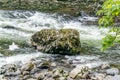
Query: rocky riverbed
(64,69)
(26,63)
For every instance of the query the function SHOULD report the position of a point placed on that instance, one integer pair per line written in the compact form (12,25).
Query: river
(19,26)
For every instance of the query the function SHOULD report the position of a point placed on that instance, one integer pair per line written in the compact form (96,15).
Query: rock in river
(61,41)
(112,71)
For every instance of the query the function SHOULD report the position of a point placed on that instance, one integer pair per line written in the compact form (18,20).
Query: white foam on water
(93,64)
(13,47)
(87,32)
(26,25)
(40,21)
(19,58)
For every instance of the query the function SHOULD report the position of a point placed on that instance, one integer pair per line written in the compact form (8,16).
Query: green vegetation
(110,13)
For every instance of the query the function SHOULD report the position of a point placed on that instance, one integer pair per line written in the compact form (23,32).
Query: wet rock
(26,77)
(116,77)
(97,76)
(11,74)
(63,41)
(48,78)
(37,62)
(8,68)
(32,79)
(2,77)
(105,66)
(35,70)
(62,78)
(44,65)
(69,78)
(53,64)
(2,71)
(9,27)
(25,73)
(39,76)
(65,73)
(27,67)
(57,73)
(112,71)
(79,70)
(108,78)
(16,73)
(82,75)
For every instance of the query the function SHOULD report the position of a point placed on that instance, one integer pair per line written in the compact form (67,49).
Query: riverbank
(70,7)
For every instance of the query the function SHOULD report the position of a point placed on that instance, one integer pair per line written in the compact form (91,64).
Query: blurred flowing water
(18,26)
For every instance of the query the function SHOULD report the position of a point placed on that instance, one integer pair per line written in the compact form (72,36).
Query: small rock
(82,75)
(2,77)
(62,78)
(27,67)
(37,62)
(34,70)
(9,67)
(2,71)
(112,71)
(77,70)
(53,64)
(11,74)
(31,79)
(56,74)
(39,76)
(69,78)
(108,77)
(105,66)
(116,77)
(26,77)
(98,76)
(48,78)
(65,73)
(44,65)
(25,73)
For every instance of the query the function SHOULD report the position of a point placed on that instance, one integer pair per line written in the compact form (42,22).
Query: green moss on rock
(63,41)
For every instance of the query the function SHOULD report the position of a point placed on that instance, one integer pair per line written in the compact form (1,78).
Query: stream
(19,26)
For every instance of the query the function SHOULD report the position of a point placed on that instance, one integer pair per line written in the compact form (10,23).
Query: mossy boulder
(61,41)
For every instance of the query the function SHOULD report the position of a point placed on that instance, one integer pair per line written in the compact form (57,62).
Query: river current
(19,26)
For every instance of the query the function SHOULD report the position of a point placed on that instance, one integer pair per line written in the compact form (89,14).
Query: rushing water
(18,26)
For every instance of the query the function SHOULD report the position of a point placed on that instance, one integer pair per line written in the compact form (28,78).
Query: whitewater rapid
(20,25)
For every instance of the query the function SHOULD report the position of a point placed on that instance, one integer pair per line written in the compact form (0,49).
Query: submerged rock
(9,27)
(63,41)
